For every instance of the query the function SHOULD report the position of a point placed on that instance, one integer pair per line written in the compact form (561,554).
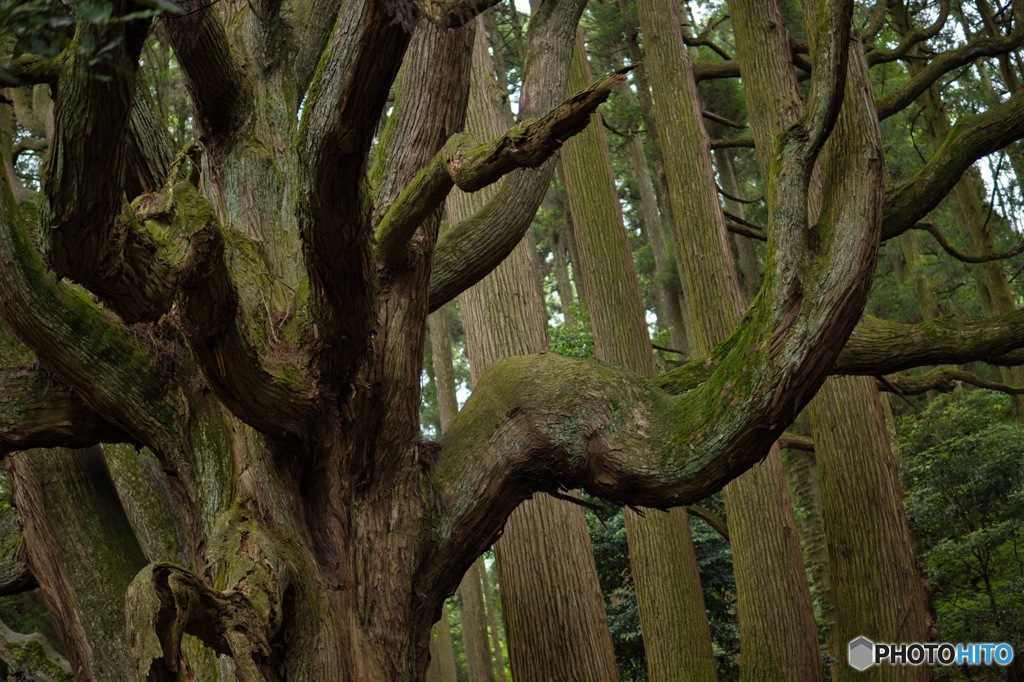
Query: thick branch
(527,145)
(82,219)
(148,156)
(315,23)
(747,230)
(794,441)
(970,139)
(910,39)
(214,81)
(746,142)
(36,411)
(941,379)
(165,602)
(93,355)
(829,51)
(340,117)
(882,347)
(444,13)
(466,252)
(706,70)
(277,404)
(876,22)
(29,69)
(942,64)
(627,440)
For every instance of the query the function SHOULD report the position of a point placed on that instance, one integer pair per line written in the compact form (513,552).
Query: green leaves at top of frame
(46,27)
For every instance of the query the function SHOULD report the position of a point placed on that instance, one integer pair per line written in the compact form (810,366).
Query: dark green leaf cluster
(963,466)
(47,27)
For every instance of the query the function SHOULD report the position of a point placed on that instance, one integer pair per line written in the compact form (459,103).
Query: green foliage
(608,537)
(963,464)
(575,340)
(46,27)
(714,559)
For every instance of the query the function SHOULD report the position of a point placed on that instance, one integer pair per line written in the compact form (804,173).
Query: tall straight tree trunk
(491,601)
(805,487)
(442,652)
(474,626)
(778,633)
(554,612)
(800,467)
(876,584)
(563,282)
(669,597)
(666,275)
(439,325)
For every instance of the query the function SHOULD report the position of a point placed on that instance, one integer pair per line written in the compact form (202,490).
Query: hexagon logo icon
(861,653)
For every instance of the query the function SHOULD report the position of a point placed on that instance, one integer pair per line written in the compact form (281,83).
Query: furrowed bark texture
(257,352)
(554,614)
(669,309)
(474,626)
(778,635)
(805,488)
(869,544)
(876,582)
(76,530)
(669,597)
(851,436)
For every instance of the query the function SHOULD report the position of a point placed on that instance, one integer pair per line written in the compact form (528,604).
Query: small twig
(666,349)
(725,143)
(934,231)
(600,511)
(737,199)
(709,517)
(718,118)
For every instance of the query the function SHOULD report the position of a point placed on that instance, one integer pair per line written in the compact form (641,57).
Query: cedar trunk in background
(668,592)
(866,527)
(971,220)
(554,613)
(439,327)
(778,634)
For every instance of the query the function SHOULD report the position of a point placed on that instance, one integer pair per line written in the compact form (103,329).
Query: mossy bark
(849,429)
(76,529)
